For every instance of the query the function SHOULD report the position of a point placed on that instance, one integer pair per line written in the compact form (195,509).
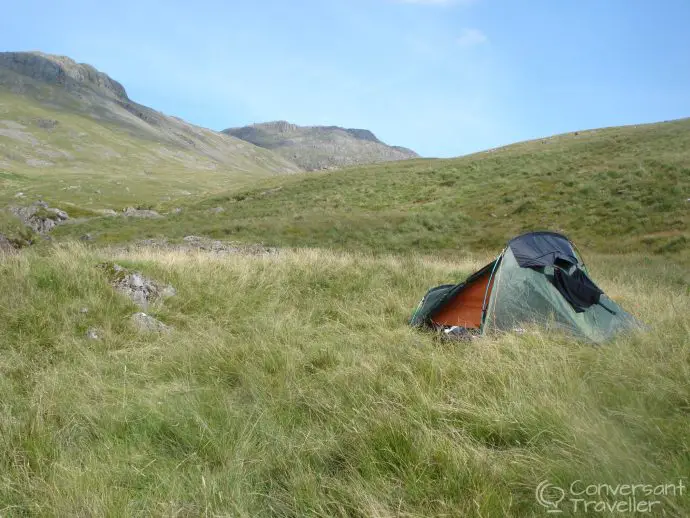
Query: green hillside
(70,134)
(611,190)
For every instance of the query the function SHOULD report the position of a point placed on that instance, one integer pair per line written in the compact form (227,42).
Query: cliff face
(62,71)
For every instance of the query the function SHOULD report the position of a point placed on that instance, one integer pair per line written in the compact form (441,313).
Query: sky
(443,77)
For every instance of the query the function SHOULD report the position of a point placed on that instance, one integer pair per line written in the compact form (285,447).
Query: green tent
(539,278)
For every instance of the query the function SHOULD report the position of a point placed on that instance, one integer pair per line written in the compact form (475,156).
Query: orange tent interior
(465,310)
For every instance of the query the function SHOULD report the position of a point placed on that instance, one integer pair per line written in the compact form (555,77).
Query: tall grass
(292,386)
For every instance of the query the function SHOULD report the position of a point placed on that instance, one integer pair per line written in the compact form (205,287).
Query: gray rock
(216,210)
(86,237)
(131,212)
(108,212)
(92,334)
(141,290)
(136,281)
(62,71)
(147,324)
(84,311)
(40,217)
(60,214)
(48,124)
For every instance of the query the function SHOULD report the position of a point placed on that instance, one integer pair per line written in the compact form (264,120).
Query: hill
(612,190)
(320,147)
(70,132)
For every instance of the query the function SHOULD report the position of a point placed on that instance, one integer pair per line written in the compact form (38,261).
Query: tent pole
(488,285)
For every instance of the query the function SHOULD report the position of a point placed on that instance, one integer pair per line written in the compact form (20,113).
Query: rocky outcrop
(141,290)
(39,217)
(320,147)
(61,70)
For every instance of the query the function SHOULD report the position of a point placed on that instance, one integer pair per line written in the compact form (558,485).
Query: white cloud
(471,38)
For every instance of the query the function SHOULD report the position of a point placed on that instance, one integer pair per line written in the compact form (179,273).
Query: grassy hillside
(292,386)
(71,134)
(611,190)
(99,164)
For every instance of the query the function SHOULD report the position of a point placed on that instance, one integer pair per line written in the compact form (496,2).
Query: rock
(131,212)
(108,212)
(92,334)
(60,70)
(19,195)
(61,214)
(48,124)
(141,290)
(40,217)
(216,210)
(140,298)
(136,281)
(147,324)
(84,311)
(176,210)
(86,237)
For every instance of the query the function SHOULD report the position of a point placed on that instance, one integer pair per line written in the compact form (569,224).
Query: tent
(539,278)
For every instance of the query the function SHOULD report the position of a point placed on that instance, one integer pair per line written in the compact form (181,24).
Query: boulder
(40,217)
(141,290)
(92,334)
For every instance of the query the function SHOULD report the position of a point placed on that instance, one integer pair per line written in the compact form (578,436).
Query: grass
(292,386)
(631,183)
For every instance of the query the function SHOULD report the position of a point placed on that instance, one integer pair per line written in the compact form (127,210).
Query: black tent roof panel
(537,249)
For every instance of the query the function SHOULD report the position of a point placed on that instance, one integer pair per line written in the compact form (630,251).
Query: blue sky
(444,77)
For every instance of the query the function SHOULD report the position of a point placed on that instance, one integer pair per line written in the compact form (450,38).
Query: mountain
(320,147)
(72,132)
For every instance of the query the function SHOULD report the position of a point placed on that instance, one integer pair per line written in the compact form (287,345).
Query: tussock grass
(292,386)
